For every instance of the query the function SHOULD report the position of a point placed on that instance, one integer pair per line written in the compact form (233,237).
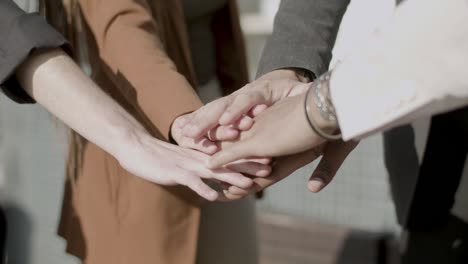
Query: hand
(254,167)
(251,99)
(334,154)
(167,164)
(280,130)
(206,142)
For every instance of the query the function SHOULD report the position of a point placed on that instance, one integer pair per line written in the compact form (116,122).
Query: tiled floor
(288,240)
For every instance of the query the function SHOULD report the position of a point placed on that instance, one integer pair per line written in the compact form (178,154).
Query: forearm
(414,66)
(58,84)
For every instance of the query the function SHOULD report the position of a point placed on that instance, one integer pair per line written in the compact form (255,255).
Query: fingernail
(316,184)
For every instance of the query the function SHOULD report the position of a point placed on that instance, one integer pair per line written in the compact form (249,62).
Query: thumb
(333,157)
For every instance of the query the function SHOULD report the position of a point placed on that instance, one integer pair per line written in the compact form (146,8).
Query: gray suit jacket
(20,34)
(304,35)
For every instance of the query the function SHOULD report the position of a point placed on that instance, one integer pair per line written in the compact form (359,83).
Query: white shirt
(415,65)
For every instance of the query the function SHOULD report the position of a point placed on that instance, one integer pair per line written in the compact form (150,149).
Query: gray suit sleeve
(20,34)
(303,36)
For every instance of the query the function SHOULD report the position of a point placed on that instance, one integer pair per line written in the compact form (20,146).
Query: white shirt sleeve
(415,65)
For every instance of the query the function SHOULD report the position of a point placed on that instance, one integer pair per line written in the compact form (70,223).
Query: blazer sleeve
(20,34)
(415,65)
(303,36)
(128,42)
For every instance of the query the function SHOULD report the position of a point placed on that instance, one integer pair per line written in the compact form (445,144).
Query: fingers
(258,109)
(244,123)
(232,178)
(201,188)
(229,133)
(264,161)
(283,167)
(223,133)
(202,144)
(234,191)
(234,194)
(230,154)
(205,118)
(225,196)
(241,105)
(250,168)
(334,155)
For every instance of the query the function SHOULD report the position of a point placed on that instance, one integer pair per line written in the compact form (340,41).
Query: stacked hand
(279,129)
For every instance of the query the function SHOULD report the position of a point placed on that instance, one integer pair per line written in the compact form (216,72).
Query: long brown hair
(64,15)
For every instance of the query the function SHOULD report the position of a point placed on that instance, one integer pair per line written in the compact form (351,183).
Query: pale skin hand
(167,164)
(59,85)
(254,167)
(248,101)
(236,110)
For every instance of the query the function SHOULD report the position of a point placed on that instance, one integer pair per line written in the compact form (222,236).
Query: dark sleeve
(303,36)
(20,34)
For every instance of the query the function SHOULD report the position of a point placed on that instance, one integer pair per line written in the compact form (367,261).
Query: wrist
(141,154)
(126,139)
(319,108)
(286,73)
